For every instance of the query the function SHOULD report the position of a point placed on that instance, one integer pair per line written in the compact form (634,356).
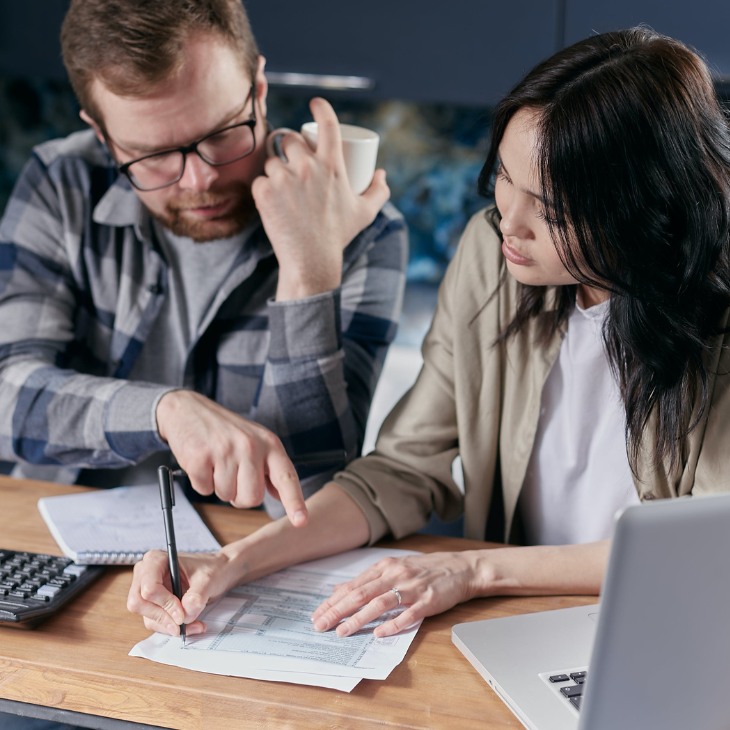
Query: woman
(577,360)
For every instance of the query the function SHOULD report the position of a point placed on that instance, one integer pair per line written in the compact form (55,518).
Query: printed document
(263,630)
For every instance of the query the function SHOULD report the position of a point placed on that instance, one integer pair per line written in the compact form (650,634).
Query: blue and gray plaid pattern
(82,280)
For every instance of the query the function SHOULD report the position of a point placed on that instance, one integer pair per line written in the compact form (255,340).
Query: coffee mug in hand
(359,148)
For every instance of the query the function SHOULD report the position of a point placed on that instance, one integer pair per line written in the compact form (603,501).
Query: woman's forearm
(541,570)
(335,524)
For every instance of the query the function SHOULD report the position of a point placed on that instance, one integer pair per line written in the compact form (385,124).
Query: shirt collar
(120,206)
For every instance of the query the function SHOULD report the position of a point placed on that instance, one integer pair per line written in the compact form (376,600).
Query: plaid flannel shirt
(81,283)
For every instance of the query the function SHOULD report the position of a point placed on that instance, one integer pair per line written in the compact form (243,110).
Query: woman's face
(530,252)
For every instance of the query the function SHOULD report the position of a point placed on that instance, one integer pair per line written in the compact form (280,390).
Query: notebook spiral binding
(108,558)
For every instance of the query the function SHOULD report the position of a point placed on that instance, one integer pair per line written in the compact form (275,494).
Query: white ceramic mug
(359,148)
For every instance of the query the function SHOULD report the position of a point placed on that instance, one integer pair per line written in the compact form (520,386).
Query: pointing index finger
(329,138)
(283,477)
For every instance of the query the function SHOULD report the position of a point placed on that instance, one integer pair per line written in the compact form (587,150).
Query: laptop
(654,654)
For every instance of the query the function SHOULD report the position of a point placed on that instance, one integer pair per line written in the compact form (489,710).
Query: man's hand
(226,454)
(309,210)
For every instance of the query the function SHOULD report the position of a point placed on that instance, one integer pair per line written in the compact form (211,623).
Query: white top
(578,475)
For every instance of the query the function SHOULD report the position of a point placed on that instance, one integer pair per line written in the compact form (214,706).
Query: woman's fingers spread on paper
(378,606)
(346,601)
(426,584)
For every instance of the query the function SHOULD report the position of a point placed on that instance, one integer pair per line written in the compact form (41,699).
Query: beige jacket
(483,402)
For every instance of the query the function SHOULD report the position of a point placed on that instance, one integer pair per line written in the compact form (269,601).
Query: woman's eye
(502,175)
(543,216)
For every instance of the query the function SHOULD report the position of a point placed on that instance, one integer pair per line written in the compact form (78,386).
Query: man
(167,289)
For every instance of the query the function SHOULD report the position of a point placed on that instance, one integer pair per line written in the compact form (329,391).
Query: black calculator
(34,586)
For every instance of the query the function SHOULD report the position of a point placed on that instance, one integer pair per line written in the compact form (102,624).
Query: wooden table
(78,661)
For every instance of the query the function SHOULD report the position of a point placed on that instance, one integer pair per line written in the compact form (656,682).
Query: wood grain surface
(79,660)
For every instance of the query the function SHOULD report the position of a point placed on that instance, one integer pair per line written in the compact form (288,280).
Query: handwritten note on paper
(264,628)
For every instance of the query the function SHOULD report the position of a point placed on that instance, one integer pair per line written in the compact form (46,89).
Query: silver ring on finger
(397,594)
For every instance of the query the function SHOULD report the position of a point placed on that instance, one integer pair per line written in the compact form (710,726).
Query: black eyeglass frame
(193,147)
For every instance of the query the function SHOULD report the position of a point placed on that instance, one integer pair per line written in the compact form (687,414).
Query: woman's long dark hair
(634,157)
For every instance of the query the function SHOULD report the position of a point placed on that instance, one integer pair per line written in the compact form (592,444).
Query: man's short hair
(131,46)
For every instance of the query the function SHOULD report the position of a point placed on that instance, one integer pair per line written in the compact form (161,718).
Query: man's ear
(262,86)
(93,125)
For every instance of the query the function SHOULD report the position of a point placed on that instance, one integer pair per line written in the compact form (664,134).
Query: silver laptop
(659,654)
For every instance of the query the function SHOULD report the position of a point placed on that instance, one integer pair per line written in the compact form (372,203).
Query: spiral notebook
(118,526)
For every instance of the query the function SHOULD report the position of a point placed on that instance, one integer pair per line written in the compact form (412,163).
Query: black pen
(314,458)
(167,497)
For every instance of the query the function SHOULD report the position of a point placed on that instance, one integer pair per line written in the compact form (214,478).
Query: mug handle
(273,143)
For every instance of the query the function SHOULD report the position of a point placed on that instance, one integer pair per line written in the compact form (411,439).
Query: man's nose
(198,175)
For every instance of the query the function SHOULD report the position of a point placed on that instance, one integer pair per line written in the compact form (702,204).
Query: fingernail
(343,630)
(299,517)
(320,624)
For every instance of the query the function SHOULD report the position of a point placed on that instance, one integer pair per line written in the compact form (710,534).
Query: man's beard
(210,229)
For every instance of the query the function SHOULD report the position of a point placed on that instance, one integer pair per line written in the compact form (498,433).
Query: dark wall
(29,44)
(704,24)
(460,52)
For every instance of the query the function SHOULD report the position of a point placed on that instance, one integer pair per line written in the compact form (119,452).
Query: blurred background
(424,74)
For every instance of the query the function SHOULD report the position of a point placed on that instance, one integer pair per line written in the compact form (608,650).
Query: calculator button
(40,598)
(4,591)
(49,591)
(19,594)
(12,606)
(75,570)
(559,678)
(9,584)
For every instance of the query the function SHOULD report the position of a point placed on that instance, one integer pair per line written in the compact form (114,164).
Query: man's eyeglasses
(221,147)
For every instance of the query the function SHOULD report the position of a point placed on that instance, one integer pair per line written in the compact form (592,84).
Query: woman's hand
(428,584)
(204,577)
(432,583)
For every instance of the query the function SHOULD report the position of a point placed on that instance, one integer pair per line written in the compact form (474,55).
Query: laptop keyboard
(571,686)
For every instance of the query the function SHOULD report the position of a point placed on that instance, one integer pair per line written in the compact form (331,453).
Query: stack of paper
(263,630)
